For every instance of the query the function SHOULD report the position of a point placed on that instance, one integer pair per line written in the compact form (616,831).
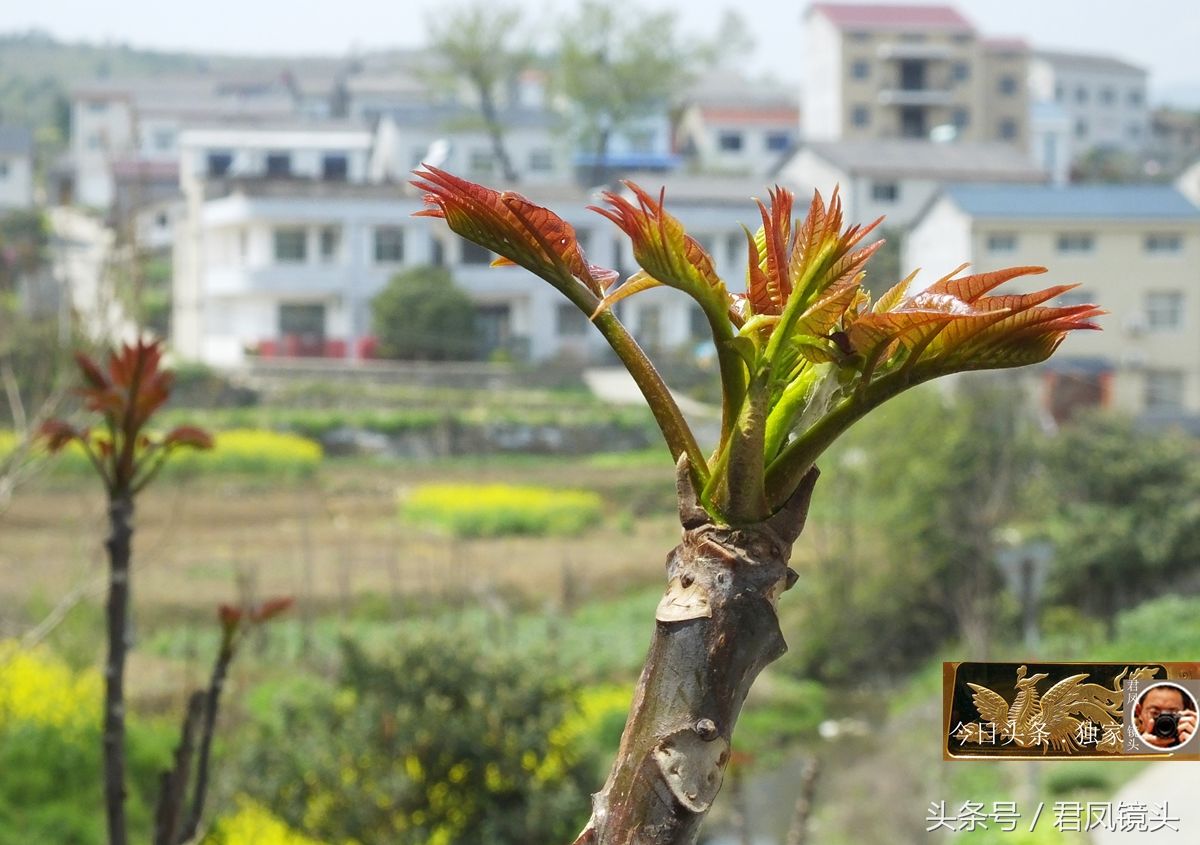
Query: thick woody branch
(716,629)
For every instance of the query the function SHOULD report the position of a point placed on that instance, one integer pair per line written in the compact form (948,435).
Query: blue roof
(1084,202)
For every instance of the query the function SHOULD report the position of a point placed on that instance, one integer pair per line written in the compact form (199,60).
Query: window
(97,106)
(164,139)
(730,142)
(291,246)
(1078,296)
(1164,310)
(389,244)
(1007,130)
(3,169)
(1134,130)
(571,321)
(1135,97)
(960,71)
(279,165)
(860,36)
(860,69)
(698,325)
(1164,390)
(95,141)
(160,220)
(885,191)
(219,164)
(1060,93)
(860,116)
(960,117)
(1007,85)
(541,161)
(735,247)
(1081,128)
(1076,242)
(1163,243)
(331,241)
(1002,242)
(777,142)
(473,253)
(306,323)
(480,162)
(335,167)
(1081,94)
(1108,96)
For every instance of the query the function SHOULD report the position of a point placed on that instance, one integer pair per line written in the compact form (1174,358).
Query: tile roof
(957,161)
(872,16)
(1081,202)
(1088,61)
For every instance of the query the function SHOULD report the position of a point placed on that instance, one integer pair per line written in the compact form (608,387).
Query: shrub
(253,824)
(434,742)
(39,689)
(494,510)
(50,782)
(421,315)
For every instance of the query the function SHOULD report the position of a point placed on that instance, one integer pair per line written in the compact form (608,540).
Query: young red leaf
(664,250)
(190,436)
(230,617)
(511,226)
(92,373)
(58,433)
(270,608)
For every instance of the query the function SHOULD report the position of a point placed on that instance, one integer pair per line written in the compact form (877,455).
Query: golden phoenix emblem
(1070,716)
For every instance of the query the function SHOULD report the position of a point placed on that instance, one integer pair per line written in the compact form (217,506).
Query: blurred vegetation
(421,315)
(496,510)
(429,742)
(50,789)
(237,451)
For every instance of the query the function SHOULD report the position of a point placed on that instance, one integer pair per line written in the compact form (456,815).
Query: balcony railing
(915,97)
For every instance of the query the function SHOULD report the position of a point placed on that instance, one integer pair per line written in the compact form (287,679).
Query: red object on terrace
(906,18)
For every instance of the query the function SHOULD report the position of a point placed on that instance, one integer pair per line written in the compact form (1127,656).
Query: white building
(139,121)
(1134,248)
(16,167)
(1104,98)
(732,125)
(896,178)
(273,264)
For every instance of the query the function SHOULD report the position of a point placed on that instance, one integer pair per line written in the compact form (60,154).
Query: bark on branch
(716,629)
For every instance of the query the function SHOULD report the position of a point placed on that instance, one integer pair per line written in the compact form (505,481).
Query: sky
(1161,35)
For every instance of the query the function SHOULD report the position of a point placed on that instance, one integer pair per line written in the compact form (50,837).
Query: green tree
(1126,519)
(486,45)
(617,65)
(436,741)
(914,531)
(802,355)
(421,315)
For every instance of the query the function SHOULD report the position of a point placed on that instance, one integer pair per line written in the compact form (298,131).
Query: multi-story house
(289,231)
(133,122)
(1133,248)
(897,178)
(16,167)
(730,125)
(1104,98)
(896,71)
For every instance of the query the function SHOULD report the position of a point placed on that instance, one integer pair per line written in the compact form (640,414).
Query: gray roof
(16,140)
(1076,202)
(1088,61)
(951,161)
